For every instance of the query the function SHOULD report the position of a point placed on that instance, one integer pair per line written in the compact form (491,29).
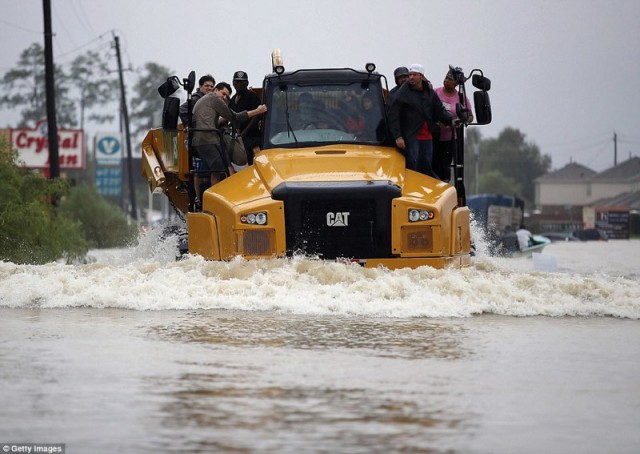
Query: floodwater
(138,353)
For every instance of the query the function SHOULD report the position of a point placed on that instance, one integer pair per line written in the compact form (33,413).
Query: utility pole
(52,125)
(615,149)
(125,120)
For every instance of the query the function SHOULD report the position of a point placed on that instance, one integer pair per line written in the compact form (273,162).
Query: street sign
(108,148)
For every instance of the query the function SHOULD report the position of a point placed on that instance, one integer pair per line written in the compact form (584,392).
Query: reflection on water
(325,383)
(412,338)
(239,381)
(290,419)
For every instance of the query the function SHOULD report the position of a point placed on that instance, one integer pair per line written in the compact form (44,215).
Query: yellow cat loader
(326,183)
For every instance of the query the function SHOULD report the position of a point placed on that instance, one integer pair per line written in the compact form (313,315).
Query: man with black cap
(413,114)
(401,75)
(207,115)
(246,99)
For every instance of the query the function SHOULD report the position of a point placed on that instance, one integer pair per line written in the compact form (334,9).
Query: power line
(580,140)
(104,43)
(38,32)
(82,16)
(60,24)
(628,141)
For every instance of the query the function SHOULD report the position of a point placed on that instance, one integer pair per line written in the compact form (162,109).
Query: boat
(499,216)
(536,245)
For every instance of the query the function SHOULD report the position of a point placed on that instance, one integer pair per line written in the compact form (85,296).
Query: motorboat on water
(536,244)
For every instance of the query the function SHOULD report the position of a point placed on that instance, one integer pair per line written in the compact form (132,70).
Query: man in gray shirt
(207,113)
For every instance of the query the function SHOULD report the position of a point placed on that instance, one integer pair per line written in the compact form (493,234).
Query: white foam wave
(148,278)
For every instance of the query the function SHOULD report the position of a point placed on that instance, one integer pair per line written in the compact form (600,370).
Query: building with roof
(575,197)
(566,186)
(625,177)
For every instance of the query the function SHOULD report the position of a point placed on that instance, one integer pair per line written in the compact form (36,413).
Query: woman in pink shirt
(445,146)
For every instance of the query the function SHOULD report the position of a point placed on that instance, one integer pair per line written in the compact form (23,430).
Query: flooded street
(138,353)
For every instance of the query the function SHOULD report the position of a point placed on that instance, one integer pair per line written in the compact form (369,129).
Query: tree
(472,139)
(514,157)
(94,84)
(104,225)
(507,164)
(24,86)
(496,183)
(87,85)
(147,103)
(32,230)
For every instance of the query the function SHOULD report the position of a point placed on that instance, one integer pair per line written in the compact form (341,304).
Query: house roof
(626,199)
(628,170)
(570,173)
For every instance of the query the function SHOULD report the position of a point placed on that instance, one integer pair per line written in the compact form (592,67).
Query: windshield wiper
(286,114)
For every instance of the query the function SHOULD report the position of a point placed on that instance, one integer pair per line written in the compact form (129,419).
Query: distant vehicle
(561,236)
(590,235)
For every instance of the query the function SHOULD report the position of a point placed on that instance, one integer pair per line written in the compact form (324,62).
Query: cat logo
(340,219)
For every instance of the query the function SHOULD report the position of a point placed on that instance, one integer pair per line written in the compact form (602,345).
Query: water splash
(148,277)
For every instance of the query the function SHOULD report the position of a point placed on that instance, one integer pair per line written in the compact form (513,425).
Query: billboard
(614,221)
(33,146)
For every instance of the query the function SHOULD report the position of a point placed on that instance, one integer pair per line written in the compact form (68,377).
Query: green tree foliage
(514,157)
(94,84)
(496,183)
(147,103)
(103,225)
(472,139)
(32,229)
(508,164)
(88,84)
(24,87)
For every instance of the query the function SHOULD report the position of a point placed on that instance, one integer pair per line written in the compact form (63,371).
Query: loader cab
(322,107)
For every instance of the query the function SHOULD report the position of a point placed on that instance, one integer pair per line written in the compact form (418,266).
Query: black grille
(349,219)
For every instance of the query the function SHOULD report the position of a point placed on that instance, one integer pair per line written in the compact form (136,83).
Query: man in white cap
(413,114)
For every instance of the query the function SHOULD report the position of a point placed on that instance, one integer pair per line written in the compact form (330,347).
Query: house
(569,185)
(575,197)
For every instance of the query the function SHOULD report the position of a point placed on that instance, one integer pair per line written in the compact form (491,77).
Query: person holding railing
(207,143)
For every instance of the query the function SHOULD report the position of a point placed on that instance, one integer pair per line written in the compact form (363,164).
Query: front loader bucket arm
(165,166)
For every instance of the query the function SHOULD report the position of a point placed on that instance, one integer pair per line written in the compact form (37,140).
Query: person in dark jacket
(413,114)
(206,85)
(401,74)
(206,144)
(246,99)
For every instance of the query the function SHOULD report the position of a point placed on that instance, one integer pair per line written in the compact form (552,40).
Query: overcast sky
(564,72)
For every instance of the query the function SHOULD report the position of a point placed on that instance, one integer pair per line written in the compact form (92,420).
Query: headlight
(420,215)
(254,218)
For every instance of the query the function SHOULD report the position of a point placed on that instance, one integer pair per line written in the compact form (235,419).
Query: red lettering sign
(33,146)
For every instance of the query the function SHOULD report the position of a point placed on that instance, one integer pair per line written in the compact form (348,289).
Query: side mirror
(170,113)
(481,82)
(483,107)
(169,87)
(190,82)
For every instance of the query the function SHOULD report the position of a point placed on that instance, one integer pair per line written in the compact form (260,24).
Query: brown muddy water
(137,353)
